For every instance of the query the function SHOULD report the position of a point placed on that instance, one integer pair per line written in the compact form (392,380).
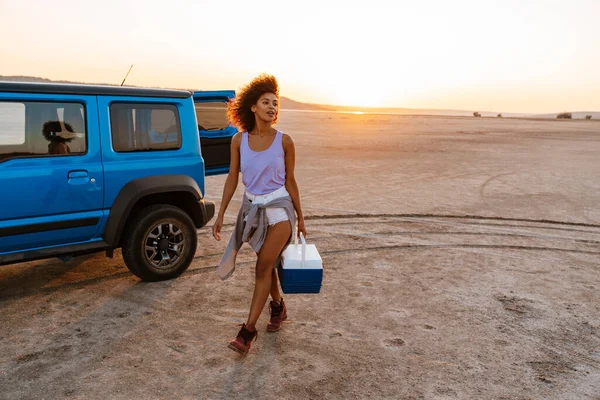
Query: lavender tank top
(263,171)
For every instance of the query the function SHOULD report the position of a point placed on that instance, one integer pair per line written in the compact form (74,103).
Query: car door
(50,171)
(214,128)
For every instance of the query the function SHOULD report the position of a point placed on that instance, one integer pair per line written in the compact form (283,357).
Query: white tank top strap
(280,138)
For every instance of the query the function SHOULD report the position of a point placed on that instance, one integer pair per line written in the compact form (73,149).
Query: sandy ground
(461,262)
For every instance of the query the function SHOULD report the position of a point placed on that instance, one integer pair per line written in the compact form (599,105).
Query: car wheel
(159,242)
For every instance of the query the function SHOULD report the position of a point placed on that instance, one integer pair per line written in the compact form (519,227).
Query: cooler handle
(302,264)
(303,245)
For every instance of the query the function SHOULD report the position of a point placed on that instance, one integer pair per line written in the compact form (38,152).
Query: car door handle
(78,174)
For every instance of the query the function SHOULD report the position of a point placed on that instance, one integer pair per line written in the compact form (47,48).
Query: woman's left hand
(301,227)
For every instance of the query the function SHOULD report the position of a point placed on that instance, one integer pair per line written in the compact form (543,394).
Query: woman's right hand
(216,229)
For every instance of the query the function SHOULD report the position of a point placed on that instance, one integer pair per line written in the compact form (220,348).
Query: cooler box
(301,269)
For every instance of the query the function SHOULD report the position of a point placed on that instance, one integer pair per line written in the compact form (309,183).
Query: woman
(266,158)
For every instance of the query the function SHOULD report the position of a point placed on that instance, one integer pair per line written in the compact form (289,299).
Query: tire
(151,240)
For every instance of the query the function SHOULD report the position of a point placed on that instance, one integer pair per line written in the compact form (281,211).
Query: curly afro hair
(51,128)
(239,110)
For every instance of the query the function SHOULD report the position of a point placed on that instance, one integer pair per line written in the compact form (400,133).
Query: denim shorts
(274,215)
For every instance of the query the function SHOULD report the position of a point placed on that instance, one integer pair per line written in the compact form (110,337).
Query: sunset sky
(509,56)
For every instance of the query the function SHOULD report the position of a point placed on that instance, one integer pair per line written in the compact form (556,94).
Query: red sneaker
(278,315)
(243,341)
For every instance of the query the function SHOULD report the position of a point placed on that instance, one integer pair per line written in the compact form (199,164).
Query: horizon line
(336,108)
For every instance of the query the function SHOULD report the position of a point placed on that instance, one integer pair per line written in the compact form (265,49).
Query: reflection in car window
(35,129)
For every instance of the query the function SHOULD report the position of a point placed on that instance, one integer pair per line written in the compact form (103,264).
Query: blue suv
(86,168)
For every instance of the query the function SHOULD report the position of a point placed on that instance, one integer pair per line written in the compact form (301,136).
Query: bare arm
(230,184)
(290,180)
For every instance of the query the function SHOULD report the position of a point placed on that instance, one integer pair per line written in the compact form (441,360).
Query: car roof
(93,90)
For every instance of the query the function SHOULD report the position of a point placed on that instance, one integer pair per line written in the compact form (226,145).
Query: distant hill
(289,104)
(19,78)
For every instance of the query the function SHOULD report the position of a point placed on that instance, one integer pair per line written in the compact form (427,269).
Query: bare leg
(277,237)
(275,295)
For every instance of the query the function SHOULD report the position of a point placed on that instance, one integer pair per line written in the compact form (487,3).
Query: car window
(12,124)
(211,116)
(144,127)
(37,129)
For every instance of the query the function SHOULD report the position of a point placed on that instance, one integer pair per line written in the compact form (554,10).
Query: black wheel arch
(179,190)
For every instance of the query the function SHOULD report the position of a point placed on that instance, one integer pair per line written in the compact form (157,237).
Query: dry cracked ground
(461,262)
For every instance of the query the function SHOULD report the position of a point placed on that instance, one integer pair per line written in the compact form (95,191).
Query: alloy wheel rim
(164,245)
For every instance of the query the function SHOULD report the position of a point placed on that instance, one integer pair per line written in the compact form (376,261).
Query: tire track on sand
(450,216)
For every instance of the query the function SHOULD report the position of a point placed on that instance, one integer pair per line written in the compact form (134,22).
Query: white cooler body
(301,273)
